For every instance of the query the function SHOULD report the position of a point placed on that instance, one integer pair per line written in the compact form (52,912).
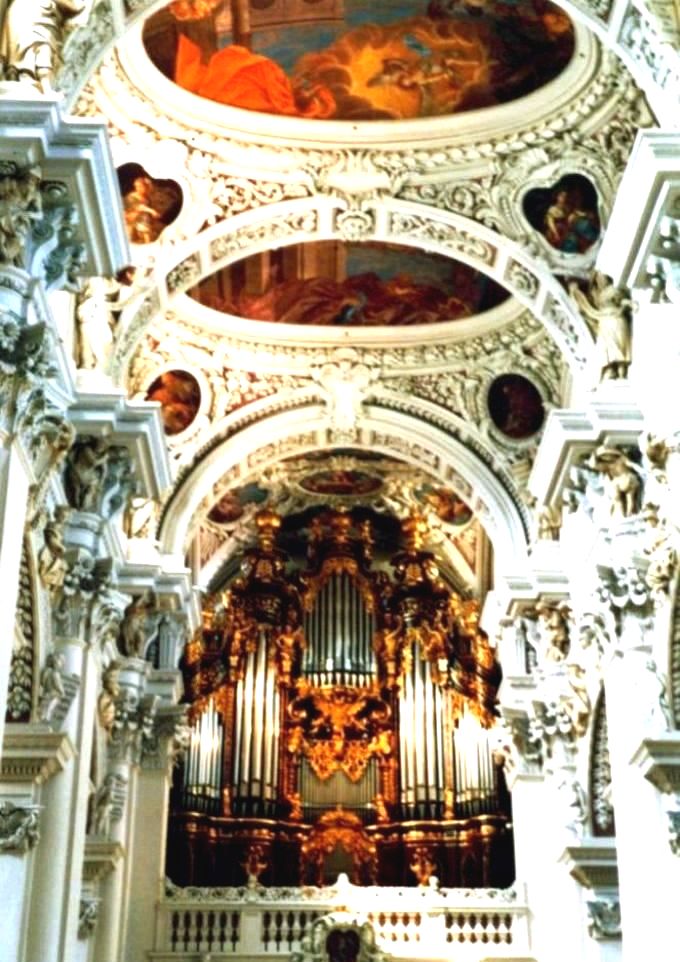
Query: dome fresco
(361,59)
(341,283)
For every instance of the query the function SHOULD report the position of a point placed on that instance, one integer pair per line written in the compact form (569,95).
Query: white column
(55,898)
(553,897)
(649,872)
(124,757)
(146,855)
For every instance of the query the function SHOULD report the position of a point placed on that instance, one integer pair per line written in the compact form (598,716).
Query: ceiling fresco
(360,59)
(353,284)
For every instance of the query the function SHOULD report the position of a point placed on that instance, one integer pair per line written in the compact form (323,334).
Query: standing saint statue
(30,38)
(608,309)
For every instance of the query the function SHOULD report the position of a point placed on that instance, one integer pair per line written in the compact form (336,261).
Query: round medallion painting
(515,406)
(180,398)
(361,59)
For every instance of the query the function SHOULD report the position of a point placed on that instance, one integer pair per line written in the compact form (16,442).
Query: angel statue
(608,309)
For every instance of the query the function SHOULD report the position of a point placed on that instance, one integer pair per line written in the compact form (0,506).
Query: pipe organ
(341,720)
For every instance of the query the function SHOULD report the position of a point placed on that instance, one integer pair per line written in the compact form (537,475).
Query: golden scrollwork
(423,864)
(343,829)
(339,728)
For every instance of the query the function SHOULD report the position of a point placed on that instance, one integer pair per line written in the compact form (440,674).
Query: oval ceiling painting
(360,59)
(349,284)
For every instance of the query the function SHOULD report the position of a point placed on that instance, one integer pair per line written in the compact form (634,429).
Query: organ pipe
(257,721)
(203,766)
(339,632)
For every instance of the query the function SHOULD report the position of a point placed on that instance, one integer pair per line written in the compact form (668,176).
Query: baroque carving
(52,563)
(604,919)
(107,804)
(84,45)
(133,725)
(607,308)
(20,688)
(338,729)
(139,625)
(601,808)
(108,696)
(98,476)
(622,478)
(19,827)
(31,37)
(87,917)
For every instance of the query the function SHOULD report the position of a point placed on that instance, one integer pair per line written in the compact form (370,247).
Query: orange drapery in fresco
(241,78)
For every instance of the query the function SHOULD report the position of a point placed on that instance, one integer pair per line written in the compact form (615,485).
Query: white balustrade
(257,922)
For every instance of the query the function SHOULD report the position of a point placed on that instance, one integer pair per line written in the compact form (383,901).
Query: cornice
(101,857)
(33,753)
(592,863)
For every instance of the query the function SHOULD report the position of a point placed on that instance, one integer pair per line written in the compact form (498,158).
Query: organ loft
(342,701)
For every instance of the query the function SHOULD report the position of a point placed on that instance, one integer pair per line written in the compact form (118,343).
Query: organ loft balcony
(341,762)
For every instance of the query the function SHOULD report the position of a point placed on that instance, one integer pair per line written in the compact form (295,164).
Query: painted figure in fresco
(569,224)
(143,221)
(180,398)
(515,405)
(461,55)
(360,300)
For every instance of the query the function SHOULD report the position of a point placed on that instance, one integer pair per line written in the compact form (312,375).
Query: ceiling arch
(417,433)
(376,219)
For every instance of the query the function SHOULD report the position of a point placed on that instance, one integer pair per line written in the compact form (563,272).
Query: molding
(76,152)
(34,753)
(649,191)
(610,417)
(592,862)
(658,759)
(136,425)
(101,857)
